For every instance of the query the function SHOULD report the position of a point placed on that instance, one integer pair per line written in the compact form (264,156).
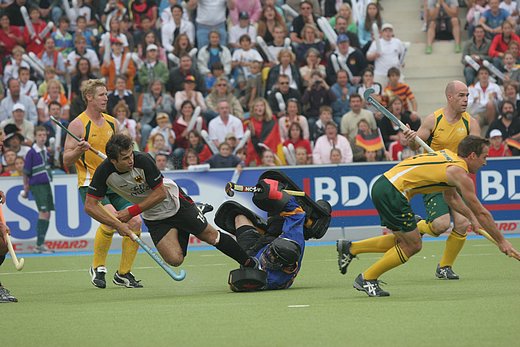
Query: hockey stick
(18,263)
(98,153)
(155,256)
(232,187)
(368,97)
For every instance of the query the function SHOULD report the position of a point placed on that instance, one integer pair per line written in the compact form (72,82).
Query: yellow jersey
(446,135)
(424,173)
(97,137)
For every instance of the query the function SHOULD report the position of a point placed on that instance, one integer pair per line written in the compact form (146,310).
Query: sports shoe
(428,50)
(98,276)
(5,296)
(42,249)
(371,287)
(458,49)
(446,273)
(344,255)
(127,280)
(204,208)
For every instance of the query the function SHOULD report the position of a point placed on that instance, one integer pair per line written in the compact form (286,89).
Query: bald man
(445,128)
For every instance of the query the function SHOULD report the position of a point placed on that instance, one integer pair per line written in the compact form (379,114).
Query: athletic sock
(128,252)
(102,243)
(454,244)
(426,228)
(378,244)
(229,247)
(392,258)
(41,230)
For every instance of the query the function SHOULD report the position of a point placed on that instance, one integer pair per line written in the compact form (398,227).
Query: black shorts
(188,220)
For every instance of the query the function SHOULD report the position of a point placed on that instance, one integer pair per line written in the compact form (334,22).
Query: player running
(95,128)
(170,215)
(441,171)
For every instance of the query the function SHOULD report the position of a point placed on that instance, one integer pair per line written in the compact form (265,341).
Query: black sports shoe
(127,280)
(98,276)
(344,255)
(446,273)
(371,287)
(5,296)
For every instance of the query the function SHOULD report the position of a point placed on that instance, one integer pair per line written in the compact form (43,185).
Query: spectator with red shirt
(140,9)
(264,130)
(500,43)
(497,146)
(180,127)
(35,43)
(296,138)
(10,36)
(197,144)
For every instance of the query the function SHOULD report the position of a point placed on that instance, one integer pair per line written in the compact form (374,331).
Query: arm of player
(453,199)
(424,132)
(73,149)
(95,211)
(157,196)
(461,180)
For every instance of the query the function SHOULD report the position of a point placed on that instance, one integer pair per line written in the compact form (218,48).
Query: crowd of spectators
(229,83)
(490,56)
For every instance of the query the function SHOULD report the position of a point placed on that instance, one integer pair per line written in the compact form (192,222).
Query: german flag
(513,143)
(372,142)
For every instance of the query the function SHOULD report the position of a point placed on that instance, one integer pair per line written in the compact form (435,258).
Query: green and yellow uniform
(421,174)
(98,136)
(391,194)
(445,135)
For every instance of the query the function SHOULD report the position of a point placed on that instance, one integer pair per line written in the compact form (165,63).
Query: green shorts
(42,194)
(435,206)
(110,198)
(394,209)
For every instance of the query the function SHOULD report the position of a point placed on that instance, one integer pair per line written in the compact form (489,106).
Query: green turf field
(59,307)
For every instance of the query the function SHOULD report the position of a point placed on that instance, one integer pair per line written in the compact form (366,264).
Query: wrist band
(134,210)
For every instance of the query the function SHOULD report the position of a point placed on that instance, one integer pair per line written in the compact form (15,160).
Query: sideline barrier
(346,187)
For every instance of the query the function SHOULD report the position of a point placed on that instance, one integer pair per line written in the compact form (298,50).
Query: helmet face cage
(271,259)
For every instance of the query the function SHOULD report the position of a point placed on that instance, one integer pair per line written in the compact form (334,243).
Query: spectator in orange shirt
(402,90)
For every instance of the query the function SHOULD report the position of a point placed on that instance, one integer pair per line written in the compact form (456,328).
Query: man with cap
(13,141)
(189,93)
(391,51)
(348,58)
(178,75)
(152,69)
(278,242)
(14,96)
(243,27)
(25,127)
(497,147)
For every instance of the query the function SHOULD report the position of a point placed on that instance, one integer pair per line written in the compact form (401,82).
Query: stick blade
(229,189)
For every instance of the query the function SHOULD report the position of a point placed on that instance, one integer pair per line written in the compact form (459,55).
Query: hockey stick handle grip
(151,253)
(369,98)
(98,153)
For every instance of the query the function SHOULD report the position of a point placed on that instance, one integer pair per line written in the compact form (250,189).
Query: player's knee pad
(247,280)
(315,227)
(226,213)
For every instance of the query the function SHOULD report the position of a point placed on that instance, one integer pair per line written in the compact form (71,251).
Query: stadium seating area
(279,82)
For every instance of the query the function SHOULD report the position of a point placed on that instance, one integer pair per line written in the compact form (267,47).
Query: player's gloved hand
(271,197)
